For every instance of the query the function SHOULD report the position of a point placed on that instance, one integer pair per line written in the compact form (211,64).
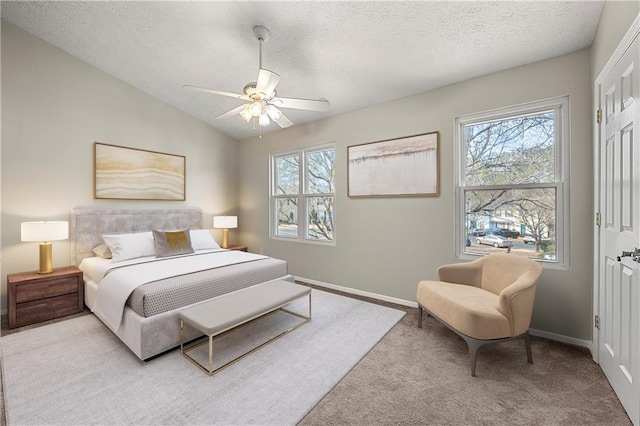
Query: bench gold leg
(210,354)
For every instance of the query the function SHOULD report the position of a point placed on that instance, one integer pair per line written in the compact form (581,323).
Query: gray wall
(385,246)
(54,107)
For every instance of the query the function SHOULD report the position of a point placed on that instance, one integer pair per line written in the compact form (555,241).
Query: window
(511,182)
(302,195)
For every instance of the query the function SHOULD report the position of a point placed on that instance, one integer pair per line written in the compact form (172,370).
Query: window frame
(560,106)
(302,196)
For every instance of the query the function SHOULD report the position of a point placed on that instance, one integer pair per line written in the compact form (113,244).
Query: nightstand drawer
(34,297)
(46,288)
(45,309)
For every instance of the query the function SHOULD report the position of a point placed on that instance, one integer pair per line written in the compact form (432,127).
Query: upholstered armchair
(485,301)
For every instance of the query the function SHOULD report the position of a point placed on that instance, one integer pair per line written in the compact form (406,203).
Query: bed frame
(149,336)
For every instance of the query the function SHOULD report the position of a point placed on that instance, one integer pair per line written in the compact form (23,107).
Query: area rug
(78,372)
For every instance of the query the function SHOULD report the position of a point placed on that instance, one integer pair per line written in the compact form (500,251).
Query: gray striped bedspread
(165,295)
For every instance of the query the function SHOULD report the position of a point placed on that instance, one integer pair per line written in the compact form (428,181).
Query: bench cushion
(232,309)
(468,309)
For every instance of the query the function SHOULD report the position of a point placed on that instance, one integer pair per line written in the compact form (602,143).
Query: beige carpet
(422,377)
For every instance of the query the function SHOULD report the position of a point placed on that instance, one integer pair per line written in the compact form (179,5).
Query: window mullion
(302,201)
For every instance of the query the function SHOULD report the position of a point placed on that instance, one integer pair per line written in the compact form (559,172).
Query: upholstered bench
(221,314)
(485,301)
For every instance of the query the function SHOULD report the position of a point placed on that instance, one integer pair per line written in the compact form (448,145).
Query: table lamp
(44,232)
(225,223)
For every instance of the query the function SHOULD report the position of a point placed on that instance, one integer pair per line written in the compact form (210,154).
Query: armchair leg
(473,354)
(527,342)
(473,345)
(419,316)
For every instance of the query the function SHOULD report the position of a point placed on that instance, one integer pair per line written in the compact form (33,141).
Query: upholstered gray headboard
(88,224)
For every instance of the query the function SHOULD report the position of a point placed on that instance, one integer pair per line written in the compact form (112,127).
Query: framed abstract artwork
(137,174)
(406,166)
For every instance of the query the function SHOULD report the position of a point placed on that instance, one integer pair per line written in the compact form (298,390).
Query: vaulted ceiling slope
(355,54)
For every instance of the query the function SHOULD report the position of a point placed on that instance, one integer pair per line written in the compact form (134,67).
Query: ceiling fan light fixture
(263,104)
(274,113)
(263,120)
(246,114)
(255,108)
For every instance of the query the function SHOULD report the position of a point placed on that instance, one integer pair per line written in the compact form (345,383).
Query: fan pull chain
(259,127)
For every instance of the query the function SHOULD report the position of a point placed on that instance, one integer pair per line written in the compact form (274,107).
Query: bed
(157,289)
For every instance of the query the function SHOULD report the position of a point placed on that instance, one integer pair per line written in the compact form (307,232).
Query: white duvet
(120,280)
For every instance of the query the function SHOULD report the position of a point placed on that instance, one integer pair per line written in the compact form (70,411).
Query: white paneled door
(619,280)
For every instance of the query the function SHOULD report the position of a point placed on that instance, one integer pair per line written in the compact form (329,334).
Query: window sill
(545,264)
(296,240)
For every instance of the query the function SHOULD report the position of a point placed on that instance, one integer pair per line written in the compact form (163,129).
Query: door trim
(632,33)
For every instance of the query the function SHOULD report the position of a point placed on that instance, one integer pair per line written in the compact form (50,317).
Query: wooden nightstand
(34,297)
(239,248)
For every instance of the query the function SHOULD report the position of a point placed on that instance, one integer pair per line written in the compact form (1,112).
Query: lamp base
(225,238)
(46,262)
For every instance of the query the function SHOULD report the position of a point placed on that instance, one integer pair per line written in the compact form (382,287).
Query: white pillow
(130,246)
(201,239)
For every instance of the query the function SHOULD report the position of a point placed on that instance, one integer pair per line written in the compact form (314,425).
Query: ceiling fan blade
(218,92)
(307,104)
(232,112)
(283,121)
(267,82)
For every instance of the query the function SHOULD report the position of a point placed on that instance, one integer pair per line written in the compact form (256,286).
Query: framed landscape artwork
(136,174)
(406,166)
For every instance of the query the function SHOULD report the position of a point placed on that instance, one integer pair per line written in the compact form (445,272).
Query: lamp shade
(44,231)
(225,222)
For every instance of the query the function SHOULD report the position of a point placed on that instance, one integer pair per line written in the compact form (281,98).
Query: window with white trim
(511,181)
(302,195)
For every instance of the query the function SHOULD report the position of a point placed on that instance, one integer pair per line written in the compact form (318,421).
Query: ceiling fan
(263,100)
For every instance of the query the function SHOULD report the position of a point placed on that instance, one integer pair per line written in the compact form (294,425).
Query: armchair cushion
(468,309)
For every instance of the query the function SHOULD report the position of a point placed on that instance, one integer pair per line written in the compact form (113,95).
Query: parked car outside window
(528,239)
(503,232)
(494,240)
(478,232)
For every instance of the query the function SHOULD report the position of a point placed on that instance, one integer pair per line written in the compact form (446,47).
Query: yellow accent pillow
(171,243)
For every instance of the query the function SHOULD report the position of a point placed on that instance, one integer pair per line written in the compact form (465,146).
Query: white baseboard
(562,338)
(359,292)
(539,333)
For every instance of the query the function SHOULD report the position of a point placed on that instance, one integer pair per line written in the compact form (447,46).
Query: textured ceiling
(354,54)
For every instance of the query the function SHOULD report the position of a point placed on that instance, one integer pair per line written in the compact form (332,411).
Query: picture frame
(402,167)
(124,173)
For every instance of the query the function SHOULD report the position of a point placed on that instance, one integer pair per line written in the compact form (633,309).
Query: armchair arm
(462,273)
(516,301)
